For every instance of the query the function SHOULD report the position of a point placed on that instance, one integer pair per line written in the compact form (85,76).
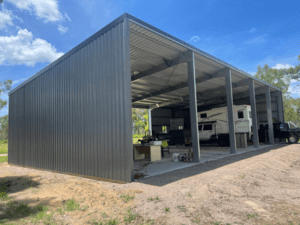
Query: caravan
(213,124)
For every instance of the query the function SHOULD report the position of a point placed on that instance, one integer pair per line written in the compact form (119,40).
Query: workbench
(152,152)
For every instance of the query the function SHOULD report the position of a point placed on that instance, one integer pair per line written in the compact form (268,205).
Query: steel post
(253,113)
(230,111)
(269,114)
(150,122)
(193,106)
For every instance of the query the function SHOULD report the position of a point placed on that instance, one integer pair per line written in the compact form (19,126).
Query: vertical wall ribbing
(76,116)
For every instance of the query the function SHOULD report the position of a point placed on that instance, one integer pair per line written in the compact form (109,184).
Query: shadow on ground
(12,210)
(170,177)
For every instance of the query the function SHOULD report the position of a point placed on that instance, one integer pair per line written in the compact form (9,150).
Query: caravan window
(241,115)
(207,127)
(203,115)
(200,127)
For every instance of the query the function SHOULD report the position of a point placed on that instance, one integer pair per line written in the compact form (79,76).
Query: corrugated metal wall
(76,116)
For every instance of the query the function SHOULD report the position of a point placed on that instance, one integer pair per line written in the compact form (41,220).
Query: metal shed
(74,116)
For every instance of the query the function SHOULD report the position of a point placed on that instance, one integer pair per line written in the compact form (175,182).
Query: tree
(4,127)
(140,120)
(277,78)
(4,88)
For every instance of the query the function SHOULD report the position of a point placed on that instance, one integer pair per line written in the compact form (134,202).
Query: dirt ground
(258,187)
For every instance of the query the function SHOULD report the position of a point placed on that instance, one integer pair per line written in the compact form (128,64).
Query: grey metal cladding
(75,116)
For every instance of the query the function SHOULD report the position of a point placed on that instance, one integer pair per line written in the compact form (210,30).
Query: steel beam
(230,112)
(149,122)
(193,107)
(269,114)
(205,93)
(207,77)
(253,113)
(173,62)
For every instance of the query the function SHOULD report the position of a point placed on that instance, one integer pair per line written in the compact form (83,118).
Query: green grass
(167,209)
(71,205)
(181,208)
(251,216)
(126,198)
(130,217)
(3,159)
(3,148)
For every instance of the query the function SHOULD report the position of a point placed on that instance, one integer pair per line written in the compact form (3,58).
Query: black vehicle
(283,131)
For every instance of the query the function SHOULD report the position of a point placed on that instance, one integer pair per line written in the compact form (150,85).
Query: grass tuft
(251,216)
(71,205)
(130,217)
(3,159)
(126,198)
(181,208)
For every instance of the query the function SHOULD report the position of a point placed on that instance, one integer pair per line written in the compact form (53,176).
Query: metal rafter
(180,86)
(165,65)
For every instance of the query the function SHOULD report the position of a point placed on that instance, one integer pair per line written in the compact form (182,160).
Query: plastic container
(175,157)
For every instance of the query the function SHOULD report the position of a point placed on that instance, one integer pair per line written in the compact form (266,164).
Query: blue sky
(33,33)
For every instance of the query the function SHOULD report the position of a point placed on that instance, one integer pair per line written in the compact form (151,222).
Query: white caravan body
(214,123)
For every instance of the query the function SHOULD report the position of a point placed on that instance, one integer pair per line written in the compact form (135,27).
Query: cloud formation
(24,49)
(43,9)
(62,29)
(195,39)
(279,66)
(5,19)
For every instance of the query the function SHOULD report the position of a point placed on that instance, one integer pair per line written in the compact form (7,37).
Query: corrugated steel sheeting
(76,116)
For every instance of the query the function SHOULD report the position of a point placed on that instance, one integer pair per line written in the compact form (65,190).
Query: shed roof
(159,78)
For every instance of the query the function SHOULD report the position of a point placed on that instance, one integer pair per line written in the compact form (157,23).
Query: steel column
(193,106)
(253,113)
(269,114)
(230,111)
(280,105)
(150,122)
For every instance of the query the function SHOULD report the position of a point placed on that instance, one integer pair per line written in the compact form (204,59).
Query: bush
(3,141)
(138,136)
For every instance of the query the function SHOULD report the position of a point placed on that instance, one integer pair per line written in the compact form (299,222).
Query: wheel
(293,139)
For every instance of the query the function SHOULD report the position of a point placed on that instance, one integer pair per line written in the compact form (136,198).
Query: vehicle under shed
(74,116)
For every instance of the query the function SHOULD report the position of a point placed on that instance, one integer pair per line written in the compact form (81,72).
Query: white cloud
(195,39)
(295,89)
(66,15)
(18,81)
(279,66)
(62,29)
(252,30)
(23,49)
(5,19)
(257,40)
(43,9)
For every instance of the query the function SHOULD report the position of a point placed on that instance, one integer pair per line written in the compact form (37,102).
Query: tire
(223,140)
(293,139)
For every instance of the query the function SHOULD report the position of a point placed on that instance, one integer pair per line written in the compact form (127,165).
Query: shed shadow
(12,210)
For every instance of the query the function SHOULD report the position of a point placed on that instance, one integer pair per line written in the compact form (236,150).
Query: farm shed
(74,116)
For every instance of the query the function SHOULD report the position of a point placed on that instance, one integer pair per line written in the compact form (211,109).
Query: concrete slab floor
(207,153)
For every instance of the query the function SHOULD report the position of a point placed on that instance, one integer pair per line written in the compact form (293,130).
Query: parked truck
(213,124)
(282,131)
